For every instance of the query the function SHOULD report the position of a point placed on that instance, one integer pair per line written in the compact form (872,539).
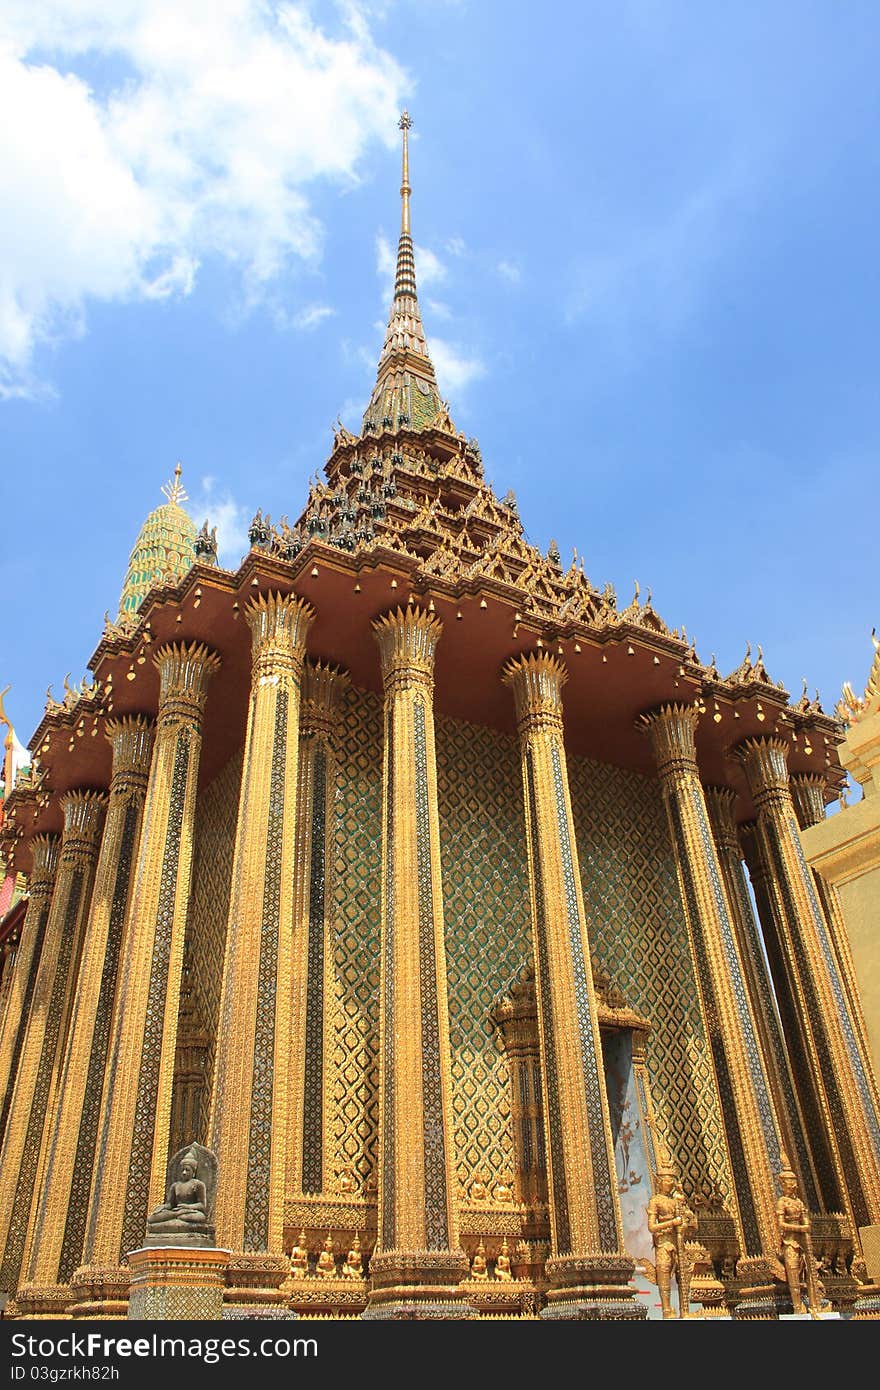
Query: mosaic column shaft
(44,853)
(250,1112)
(418,1256)
(842,1083)
(313,963)
(56,1243)
(46,1024)
(720,802)
(749,1120)
(587,1269)
(824,1165)
(132,1150)
(808,797)
(8,953)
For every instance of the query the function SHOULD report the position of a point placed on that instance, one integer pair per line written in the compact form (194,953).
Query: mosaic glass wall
(488,930)
(633,911)
(357,869)
(637,929)
(213,848)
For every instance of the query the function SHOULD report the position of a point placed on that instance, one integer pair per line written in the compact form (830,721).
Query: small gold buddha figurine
(502,1191)
(326,1266)
(479,1191)
(299,1258)
(478,1266)
(353,1267)
(502,1262)
(347,1181)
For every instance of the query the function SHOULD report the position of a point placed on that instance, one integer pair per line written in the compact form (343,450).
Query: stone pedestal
(174,1282)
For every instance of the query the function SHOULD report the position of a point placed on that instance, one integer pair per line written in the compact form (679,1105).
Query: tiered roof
(404,513)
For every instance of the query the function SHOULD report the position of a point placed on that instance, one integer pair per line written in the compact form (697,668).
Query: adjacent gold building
(403,869)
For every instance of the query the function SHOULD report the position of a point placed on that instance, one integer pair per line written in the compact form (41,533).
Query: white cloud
(456,246)
(509,270)
(312,316)
(439,309)
(231,518)
(352,412)
(200,138)
(659,272)
(455,370)
(429,268)
(385,259)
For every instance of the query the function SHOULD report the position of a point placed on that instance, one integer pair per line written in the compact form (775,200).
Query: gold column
(132,1149)
(46,1024)
(56,1243)
(808,798)
(749,1121)
(418,1261)
(44,853)
(8,953)
(842,1083)
(250,1107)
(793,1019)
(588,1270)
(720,802)
(516,1018)
(313,960)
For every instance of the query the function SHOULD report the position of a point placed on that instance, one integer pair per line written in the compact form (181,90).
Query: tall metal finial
(175,491)
(405,124)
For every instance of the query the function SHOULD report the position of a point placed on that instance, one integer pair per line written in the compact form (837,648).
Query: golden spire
(164,549)
(405,124)
(405,277)
(406,394)
(175,491)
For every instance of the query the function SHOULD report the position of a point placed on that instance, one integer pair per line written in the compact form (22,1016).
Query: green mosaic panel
(637,929)
(488,930)
(357,870)
(213,850)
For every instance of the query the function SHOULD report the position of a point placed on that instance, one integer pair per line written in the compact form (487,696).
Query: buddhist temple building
(428,901)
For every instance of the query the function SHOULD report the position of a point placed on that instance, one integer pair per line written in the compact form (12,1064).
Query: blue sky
(647,255)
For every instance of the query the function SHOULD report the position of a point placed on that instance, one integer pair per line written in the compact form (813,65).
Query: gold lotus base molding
(419,1284)
(254,1280)
(592,1288)
(100,1291)
(35,1302)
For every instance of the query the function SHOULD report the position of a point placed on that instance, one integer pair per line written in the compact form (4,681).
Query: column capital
(720,802)
(44,860)
(323,686)
(185,670)
(83,818)
(407,639)
(131,739)
(765,763)
(808,794)
(536,679)
(279,625)
(672,731)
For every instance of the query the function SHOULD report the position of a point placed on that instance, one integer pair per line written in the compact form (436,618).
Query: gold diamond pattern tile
(637,929)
